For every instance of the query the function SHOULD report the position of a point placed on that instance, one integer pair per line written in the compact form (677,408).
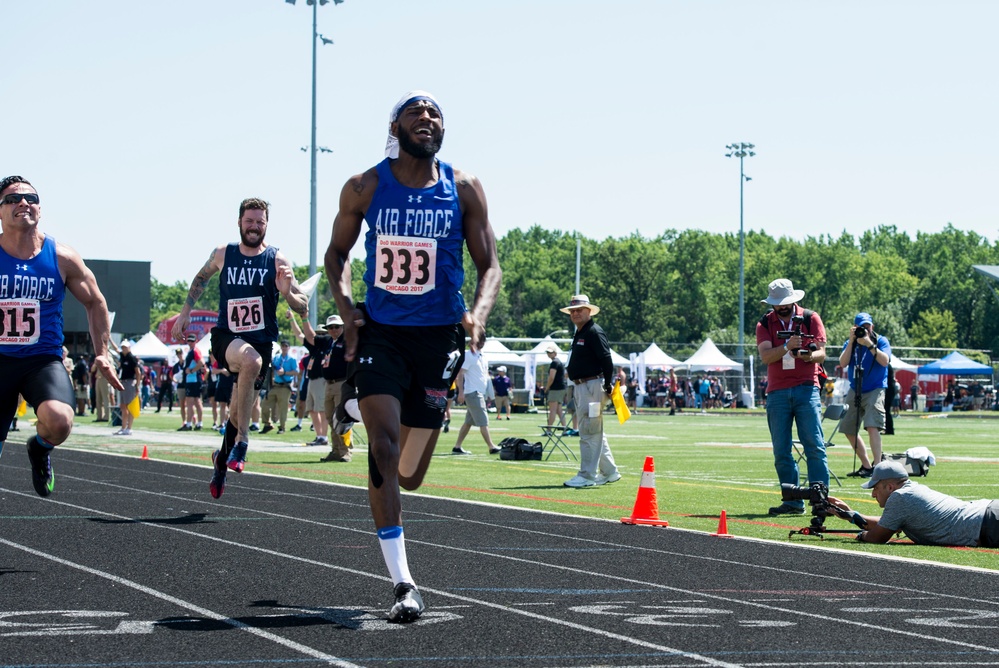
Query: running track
(131,563)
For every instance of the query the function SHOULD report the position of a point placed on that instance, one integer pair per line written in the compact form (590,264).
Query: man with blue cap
(865,355)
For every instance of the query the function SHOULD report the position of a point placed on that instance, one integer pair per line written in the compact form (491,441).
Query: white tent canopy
(618,359)
(150,347)
(495,352)
(709,358)
(899,365)
(655,357)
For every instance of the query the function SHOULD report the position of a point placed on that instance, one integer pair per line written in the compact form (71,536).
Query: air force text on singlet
(431,223)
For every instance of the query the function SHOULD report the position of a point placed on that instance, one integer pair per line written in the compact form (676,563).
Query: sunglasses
(15,198)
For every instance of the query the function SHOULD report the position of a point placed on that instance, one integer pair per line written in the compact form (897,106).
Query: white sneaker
(580,481)
(119,432)
(126,432)
(602,479)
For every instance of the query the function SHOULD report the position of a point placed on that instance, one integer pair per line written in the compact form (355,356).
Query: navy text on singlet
(248,295)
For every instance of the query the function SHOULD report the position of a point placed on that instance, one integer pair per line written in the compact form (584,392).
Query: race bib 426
(245,315)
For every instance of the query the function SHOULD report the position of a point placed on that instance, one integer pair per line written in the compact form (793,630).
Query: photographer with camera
(867,355)
(791,342)
(927,517)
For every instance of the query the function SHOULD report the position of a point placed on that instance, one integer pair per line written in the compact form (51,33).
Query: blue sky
(144,124)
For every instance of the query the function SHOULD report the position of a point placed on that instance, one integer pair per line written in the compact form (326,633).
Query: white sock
(393,547)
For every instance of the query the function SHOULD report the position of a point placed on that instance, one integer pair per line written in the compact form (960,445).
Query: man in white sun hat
(591,371)
(792,343)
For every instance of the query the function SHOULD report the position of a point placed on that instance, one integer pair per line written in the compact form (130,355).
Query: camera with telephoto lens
(860,331)
(816,493)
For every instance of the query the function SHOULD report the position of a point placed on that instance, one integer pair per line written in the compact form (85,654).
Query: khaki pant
(334,392)
(275,406)
(102,397)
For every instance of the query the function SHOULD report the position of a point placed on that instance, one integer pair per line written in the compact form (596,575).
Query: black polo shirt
(334,364)
(590,354)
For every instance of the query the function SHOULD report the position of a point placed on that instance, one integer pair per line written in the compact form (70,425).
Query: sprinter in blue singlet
(407,340)
(35,272)
(252,276)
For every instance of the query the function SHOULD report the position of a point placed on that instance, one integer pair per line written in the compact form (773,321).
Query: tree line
(682,286)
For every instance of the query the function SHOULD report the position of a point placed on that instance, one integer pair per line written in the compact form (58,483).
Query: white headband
(392,143)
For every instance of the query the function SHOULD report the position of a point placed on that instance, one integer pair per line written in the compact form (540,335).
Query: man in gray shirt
(927,517)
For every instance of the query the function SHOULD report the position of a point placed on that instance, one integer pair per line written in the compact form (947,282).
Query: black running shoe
(862,472)
(217,485)
(42,476)
(237,458)
(408,604)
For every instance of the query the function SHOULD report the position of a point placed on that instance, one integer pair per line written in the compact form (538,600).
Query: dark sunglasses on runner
(15,198)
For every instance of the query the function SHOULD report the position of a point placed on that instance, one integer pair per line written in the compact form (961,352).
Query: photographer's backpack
(514,448)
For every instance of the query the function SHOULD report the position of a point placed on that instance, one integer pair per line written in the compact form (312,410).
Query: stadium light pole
(742,151)
(313,149)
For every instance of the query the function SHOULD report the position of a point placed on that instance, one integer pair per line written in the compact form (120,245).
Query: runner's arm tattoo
(200,281)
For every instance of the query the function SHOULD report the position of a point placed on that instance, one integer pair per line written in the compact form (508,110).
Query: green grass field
(704,463)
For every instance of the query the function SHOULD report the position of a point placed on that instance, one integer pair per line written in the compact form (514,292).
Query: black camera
(816,493)
(860,331)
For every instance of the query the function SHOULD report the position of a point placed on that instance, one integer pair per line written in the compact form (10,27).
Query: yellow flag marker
(620,405)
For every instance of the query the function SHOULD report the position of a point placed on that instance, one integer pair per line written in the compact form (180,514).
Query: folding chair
(554,434)
(832,412)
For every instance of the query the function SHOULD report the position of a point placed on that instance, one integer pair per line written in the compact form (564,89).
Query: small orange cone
(646,509)
(145,452)
(722,526)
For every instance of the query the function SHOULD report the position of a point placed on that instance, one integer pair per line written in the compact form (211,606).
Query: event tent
(496,353)
(653,356)
(955,364)
(899,365)
(149,347)
(709,358)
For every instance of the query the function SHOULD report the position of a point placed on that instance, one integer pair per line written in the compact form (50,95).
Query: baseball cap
(192,338)
(886,470)
(501,369)
(863,319)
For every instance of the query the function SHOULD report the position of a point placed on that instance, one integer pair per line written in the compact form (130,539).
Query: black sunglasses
(15,198)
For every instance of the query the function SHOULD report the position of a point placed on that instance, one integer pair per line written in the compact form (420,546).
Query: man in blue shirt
(284,372)
(865,355)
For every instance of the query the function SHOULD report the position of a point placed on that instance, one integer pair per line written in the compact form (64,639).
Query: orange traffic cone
(646,509)
(722,526)
(145,452)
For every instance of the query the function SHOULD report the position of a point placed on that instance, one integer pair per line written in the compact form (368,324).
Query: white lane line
(283,555)
(204,612)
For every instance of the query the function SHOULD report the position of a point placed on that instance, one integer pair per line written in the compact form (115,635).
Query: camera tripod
(817,526)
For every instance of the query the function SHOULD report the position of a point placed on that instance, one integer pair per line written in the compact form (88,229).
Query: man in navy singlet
(406,342)
(35,272)
(252,276)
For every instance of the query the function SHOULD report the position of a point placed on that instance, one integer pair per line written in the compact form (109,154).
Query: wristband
(860,536)
(858,519)
(785,346)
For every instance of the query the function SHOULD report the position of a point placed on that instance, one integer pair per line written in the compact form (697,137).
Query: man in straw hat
(406,341)
(591,371)
(35,273)
(792,343)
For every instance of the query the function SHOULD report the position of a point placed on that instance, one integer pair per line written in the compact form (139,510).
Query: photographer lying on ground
(926,517)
